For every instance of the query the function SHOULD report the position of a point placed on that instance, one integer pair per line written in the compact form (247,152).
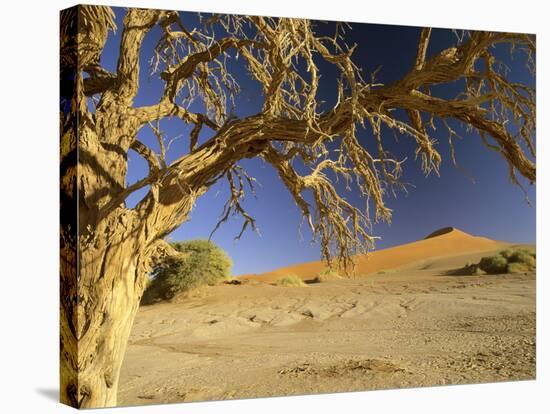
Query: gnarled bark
(110,285)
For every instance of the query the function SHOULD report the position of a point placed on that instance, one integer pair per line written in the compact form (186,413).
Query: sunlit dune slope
(447,241)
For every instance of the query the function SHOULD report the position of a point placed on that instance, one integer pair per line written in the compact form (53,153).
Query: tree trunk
(105,256)
(96,328)
(106,249)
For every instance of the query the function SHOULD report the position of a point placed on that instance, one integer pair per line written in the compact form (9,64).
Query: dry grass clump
(326,275)
(470,269)
(290,280)
(386,271)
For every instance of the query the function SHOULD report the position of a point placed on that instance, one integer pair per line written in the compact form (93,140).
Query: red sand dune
(444,242)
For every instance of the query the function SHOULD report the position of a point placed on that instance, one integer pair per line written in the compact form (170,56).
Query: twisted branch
(284,56)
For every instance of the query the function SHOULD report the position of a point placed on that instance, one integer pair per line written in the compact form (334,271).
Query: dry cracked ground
(406,328)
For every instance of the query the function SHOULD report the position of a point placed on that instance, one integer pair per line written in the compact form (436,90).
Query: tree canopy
(283,55)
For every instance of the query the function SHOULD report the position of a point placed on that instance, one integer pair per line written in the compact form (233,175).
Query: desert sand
(444,242)
(403,321)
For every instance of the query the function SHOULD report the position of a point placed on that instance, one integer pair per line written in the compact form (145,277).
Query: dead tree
(107,252)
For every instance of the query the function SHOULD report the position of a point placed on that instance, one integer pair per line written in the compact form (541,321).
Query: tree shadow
(51,394)
(457,272)
(467,270)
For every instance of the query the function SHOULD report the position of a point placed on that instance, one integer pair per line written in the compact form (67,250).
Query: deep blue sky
(476,196)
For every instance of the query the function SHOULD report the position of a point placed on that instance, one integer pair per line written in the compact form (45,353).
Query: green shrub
(201,263)
(523,256)
(493,264)
(506,253)
(507,261)
(290,280)
(516,267)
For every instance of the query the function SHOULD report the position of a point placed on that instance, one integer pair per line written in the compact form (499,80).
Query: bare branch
(422,48)
(136,24)
(148,155)
(187,66)
(193,63)
(100,80)
(414,116)
(233,204)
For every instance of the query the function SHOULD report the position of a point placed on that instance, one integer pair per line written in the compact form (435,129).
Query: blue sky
(475,196)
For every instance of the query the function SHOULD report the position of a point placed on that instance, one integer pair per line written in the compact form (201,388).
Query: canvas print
(255,206)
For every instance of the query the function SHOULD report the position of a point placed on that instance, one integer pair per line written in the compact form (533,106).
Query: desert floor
(404,327)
